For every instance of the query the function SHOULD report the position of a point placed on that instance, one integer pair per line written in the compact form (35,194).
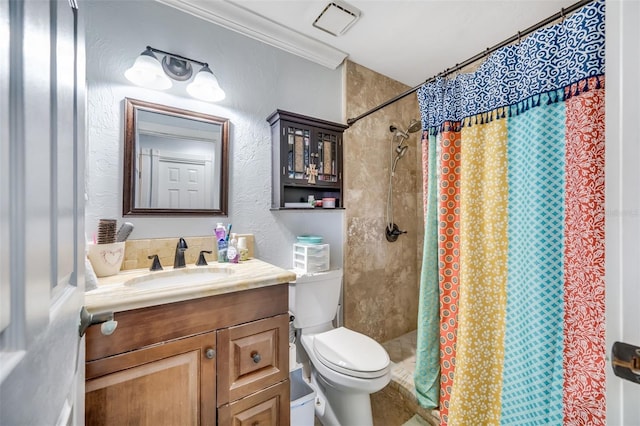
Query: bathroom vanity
(204,353)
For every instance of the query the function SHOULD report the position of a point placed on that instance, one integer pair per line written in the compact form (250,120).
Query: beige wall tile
(137,251)
(381,278)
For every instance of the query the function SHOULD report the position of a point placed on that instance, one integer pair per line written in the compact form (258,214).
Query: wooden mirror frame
(128,193)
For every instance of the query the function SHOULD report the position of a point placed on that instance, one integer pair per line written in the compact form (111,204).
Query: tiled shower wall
(381,280)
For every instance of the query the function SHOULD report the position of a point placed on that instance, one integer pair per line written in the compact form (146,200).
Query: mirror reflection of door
(174,180)
(181,183)
(176,159)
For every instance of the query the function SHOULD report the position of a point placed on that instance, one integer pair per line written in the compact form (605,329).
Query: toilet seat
(351,353)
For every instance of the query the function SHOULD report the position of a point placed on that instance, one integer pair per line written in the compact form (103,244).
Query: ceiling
(408,41)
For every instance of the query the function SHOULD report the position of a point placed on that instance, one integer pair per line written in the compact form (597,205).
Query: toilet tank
(314,298)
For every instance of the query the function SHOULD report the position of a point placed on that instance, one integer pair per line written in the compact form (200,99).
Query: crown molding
(250,24)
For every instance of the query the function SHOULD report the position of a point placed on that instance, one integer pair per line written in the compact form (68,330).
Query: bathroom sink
(178,277)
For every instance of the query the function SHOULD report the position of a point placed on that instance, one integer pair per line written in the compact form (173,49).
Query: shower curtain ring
(562,13)
(518,37)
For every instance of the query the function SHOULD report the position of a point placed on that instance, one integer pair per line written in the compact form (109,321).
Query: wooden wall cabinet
(301,145)
(220,360)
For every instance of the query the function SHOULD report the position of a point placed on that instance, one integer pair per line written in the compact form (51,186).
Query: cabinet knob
(256,357)
(210,353)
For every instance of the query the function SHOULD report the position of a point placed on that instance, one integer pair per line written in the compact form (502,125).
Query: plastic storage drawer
(311,257)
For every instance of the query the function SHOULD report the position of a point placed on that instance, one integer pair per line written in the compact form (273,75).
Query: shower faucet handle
(392,232)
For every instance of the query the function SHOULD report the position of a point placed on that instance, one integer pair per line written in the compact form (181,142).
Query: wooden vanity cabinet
(216,360)
(161,384)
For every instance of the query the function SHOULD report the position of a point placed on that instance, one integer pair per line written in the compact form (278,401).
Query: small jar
(242,249)
(329,203)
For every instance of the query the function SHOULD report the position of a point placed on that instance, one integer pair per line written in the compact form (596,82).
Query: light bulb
(147,72)
(205,86)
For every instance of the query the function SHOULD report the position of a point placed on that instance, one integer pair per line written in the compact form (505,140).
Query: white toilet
(346,366)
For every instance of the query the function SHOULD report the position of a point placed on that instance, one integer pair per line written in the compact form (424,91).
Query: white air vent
(336,18)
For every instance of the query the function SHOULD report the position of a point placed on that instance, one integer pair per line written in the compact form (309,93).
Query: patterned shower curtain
(511,319)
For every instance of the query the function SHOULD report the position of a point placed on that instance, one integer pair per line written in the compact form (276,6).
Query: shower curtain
(511,316)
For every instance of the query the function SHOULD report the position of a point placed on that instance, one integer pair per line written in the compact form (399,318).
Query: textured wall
(257,78)
(381,278)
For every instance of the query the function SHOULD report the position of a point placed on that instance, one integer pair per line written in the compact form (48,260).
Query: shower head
(414,126)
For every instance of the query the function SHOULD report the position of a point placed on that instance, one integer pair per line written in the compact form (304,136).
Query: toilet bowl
(346,366)
(346,377)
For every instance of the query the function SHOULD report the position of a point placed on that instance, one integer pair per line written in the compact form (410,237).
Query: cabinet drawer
(269,407)
(251,357)
(148,326)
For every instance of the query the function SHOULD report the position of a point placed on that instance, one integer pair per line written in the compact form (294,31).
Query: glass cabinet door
(327,157)
(299,155)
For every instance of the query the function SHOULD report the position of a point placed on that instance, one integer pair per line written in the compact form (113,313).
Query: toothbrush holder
(106,259)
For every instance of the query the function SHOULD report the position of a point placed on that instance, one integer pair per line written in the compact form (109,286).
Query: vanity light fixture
(147,71)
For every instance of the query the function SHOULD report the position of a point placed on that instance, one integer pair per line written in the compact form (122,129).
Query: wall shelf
(301,144)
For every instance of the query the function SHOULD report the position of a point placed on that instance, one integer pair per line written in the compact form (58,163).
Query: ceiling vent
(336,18)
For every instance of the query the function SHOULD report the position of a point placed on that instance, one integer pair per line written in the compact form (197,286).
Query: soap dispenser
(232,250)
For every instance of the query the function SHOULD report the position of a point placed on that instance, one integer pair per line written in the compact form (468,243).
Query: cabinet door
(269,407)
(298,152)
(171,383)
(305,147)
(252,356)
(328,147)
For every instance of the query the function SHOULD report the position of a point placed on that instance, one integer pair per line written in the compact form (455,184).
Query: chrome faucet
(178,260)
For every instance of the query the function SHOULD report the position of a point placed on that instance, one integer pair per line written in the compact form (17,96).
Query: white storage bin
(310,258)
(302,400)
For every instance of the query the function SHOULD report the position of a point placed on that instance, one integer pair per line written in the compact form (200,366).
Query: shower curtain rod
(562,14)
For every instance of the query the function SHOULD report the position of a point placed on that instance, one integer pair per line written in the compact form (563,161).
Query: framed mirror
(175,161)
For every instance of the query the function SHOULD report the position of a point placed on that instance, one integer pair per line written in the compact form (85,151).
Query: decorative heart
(111,257)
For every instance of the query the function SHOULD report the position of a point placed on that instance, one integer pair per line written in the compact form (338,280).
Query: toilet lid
(351,353)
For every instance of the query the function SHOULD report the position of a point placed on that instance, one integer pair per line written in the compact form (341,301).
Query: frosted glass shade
(147,72)
(205,86)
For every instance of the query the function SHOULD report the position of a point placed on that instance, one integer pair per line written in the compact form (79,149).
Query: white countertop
(120,292)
